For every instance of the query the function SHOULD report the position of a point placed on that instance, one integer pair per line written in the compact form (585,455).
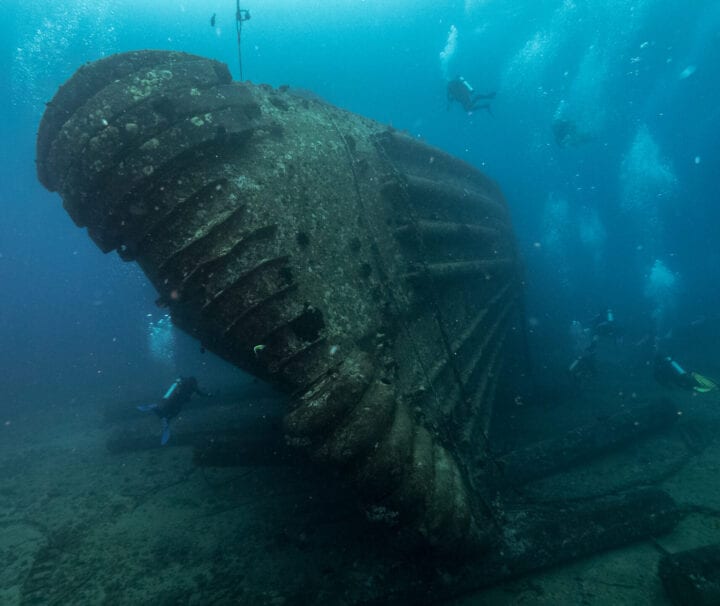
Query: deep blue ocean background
(628,219)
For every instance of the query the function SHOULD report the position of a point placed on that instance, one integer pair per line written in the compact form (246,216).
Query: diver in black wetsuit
(603,325)
(459,90)
(177,395)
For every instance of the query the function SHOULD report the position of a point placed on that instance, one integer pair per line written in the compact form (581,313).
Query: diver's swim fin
(165,432)
(146,407)
(704,384)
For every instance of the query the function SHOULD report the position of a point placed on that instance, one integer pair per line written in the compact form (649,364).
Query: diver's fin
(165,432)
(146,407)
(704,384)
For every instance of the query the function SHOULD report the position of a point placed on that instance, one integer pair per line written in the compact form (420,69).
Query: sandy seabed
(79,525)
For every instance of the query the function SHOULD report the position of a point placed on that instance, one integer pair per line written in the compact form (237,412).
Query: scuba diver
(583,367)
(460,90)
(566,129)
(568,134)
(602,325)
(669,373)
(177,395)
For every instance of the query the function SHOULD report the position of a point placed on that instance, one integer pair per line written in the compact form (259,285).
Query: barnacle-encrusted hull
(371,276)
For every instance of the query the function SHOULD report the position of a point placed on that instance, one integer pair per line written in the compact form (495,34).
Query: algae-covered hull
(372,277)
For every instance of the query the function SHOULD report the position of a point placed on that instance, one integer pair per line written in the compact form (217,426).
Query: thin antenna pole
(240,16)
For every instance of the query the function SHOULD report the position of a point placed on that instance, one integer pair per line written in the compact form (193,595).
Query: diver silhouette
(460,91)
(177,395)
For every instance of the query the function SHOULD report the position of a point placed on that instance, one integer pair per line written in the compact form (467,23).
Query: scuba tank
(675,366)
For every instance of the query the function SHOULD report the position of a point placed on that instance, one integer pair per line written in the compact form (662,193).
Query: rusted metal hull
(372,277)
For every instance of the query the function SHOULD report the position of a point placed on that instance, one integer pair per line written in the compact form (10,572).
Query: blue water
(628,218)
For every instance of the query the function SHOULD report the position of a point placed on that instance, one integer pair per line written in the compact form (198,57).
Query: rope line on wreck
(433,302)
(489,511)
(414,221)
(378,256)
(397,174)
(480,501)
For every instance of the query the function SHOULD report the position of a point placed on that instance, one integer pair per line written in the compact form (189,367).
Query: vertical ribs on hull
(371,276)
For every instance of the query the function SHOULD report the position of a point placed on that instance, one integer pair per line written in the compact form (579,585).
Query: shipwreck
(373,278)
